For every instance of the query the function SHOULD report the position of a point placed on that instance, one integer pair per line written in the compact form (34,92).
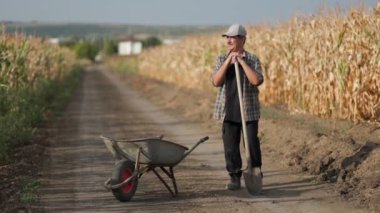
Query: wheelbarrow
(136,157)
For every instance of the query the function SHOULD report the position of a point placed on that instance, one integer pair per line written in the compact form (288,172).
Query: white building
(170,41)
(130,47)
(54,41)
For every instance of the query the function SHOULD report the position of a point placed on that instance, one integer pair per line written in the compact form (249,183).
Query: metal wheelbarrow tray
(138,156)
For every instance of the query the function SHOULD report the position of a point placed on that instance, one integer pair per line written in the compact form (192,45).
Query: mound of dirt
(339,152)
(352,166)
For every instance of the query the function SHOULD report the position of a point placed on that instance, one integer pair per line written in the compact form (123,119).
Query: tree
(109,47)
(86,50)
(151,41)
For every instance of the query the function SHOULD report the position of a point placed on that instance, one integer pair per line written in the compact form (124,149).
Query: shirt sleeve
(259,71)
(255,64)
(218,63)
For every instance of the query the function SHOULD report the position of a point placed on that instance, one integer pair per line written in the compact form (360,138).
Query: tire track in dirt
(78,163)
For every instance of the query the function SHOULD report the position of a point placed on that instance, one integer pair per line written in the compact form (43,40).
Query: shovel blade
(253,183)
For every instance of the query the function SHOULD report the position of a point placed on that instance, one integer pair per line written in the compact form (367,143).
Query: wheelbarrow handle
(203,139)
(194,146)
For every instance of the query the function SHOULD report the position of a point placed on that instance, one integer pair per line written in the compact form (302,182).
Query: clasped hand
(234,56)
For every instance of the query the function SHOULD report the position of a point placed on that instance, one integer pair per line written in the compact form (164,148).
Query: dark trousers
(231,132)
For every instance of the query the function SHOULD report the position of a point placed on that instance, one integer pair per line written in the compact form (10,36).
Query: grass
(29,191)
(23,109)
(123,65)
(317,125)
(270,112)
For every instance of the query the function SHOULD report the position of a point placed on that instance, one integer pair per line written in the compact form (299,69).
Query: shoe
(234,183)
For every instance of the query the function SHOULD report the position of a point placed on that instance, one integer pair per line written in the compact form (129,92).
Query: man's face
(235,43)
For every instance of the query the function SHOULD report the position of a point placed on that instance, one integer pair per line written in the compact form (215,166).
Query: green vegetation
(22,109)
(109,46)
(151,41)
(123,65)
(29,191)
(35,78)
(86,50)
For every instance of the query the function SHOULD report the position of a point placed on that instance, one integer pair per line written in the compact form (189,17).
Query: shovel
(252,183)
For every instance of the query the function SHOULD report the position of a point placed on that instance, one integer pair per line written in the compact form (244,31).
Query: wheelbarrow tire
(122,171)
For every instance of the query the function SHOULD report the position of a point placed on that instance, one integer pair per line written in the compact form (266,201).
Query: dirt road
(78,163)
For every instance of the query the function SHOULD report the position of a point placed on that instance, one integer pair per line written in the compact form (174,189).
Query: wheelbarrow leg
(164,182)
(174,181)
(170,174)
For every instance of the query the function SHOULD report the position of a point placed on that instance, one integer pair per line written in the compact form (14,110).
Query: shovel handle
(242,112)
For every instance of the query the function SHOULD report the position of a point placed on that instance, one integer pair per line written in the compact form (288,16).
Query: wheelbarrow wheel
(122,171)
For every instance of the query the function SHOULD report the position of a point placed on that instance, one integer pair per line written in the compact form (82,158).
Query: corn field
(34,77)
(327,65)
(25,61)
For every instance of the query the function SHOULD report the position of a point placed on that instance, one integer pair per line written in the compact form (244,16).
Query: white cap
(235,30)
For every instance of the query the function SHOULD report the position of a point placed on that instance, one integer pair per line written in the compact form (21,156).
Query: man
(227,103)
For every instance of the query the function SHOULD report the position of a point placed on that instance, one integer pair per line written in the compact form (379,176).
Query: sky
(167,12)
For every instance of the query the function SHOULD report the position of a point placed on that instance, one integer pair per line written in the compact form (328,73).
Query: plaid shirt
(250,91)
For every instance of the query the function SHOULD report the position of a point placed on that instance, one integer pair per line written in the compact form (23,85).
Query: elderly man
(227,107)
